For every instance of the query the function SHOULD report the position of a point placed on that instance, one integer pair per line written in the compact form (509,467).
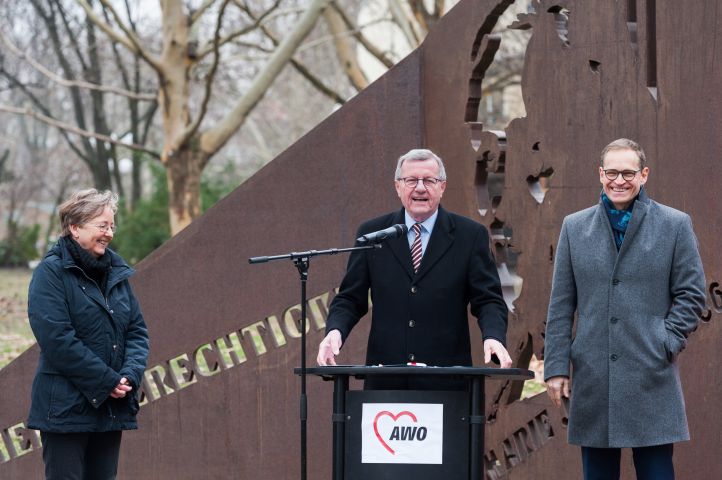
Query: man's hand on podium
(328,349)
(494,347)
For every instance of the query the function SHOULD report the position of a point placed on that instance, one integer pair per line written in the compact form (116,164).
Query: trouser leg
(64,455)
(81,456)
(601,463)
(101,459)
(654,463)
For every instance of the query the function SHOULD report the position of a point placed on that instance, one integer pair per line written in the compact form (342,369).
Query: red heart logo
(394,418)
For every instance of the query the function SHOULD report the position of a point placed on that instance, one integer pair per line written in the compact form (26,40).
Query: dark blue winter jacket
(88,340)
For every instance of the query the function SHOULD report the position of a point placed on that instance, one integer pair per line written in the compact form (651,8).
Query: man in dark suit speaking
(421,283)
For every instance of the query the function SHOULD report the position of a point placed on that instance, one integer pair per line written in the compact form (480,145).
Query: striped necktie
(416,247)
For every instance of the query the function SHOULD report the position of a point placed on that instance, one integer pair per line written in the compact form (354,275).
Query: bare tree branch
(253,46)
(116,52)
(193,128)
(49,18)
(215,138)
(422,15)
(71,83)
(501,82)
(239,33)
(68,29)
(257,135)
(129,40)
(316,82)
(346,54)
(148,116)
(358,35)
(404,23)
(196,14)
(73,129)
(23,88)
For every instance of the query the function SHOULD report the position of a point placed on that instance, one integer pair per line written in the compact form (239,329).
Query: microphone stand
(302,262)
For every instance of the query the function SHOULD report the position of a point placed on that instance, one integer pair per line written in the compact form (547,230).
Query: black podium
(420,434)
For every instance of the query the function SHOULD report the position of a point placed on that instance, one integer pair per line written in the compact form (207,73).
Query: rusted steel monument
(220,398)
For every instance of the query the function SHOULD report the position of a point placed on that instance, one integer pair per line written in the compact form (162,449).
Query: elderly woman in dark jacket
(93,344)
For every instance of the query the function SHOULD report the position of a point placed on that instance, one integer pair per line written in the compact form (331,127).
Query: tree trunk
(181,162)
(183,173)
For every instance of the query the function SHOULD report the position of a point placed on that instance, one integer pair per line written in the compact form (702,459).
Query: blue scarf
(618,219)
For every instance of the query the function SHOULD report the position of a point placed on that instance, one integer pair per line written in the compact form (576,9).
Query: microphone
(378,237)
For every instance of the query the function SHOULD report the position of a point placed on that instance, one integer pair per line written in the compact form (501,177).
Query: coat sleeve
(486,300)
(136,344)
(687,289)
(560,315)
(49,317)
(351,302)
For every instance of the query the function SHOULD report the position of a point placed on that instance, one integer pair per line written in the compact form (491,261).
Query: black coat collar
(441,239)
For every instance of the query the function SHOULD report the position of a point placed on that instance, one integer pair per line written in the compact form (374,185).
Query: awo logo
(402,433)
(399,433)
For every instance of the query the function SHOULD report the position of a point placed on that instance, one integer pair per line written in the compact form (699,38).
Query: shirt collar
(427,224)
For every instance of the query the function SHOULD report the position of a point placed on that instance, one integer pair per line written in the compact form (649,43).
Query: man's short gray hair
(625,144)
(420,155)
(84,205)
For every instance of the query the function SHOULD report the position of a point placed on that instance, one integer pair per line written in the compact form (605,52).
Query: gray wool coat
(634,311)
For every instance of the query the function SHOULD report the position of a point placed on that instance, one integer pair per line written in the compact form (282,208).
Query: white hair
(420,155)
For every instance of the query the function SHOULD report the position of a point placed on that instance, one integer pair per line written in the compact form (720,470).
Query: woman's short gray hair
(84,205)
(625,144)
(420,155)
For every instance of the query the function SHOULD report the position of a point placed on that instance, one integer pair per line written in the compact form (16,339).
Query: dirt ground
(15,333)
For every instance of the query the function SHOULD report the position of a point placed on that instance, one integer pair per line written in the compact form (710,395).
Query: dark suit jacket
(422,317)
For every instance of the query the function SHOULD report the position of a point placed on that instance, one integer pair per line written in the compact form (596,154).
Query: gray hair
(84,205)
(420,155)
(625,144)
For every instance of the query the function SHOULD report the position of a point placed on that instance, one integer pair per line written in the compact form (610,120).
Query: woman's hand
(121,389)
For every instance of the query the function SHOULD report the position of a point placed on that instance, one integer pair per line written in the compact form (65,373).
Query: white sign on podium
(402,433)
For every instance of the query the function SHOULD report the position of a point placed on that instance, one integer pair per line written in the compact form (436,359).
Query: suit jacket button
(614,319)
(412,357)
(412,323)
(614,357)
(615,281)
(414,289)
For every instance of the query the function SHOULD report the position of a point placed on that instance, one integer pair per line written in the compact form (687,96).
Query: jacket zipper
(107,305)
(114,345)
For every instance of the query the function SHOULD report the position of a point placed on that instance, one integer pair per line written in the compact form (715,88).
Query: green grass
(15,333)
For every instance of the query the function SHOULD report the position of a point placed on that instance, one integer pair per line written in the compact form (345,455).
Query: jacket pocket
(661,333)
(66,400)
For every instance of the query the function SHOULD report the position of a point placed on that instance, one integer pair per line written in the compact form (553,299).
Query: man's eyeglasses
(103,227)
(626,174)
(411,182)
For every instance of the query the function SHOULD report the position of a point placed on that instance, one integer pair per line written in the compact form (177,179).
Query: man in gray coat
(630,269)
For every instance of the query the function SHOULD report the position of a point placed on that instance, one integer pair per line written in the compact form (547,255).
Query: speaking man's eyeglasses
(428,182)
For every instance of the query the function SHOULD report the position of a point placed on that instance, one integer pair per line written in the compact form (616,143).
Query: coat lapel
(641,205)
(603,229)
(602,224)
(441,239)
